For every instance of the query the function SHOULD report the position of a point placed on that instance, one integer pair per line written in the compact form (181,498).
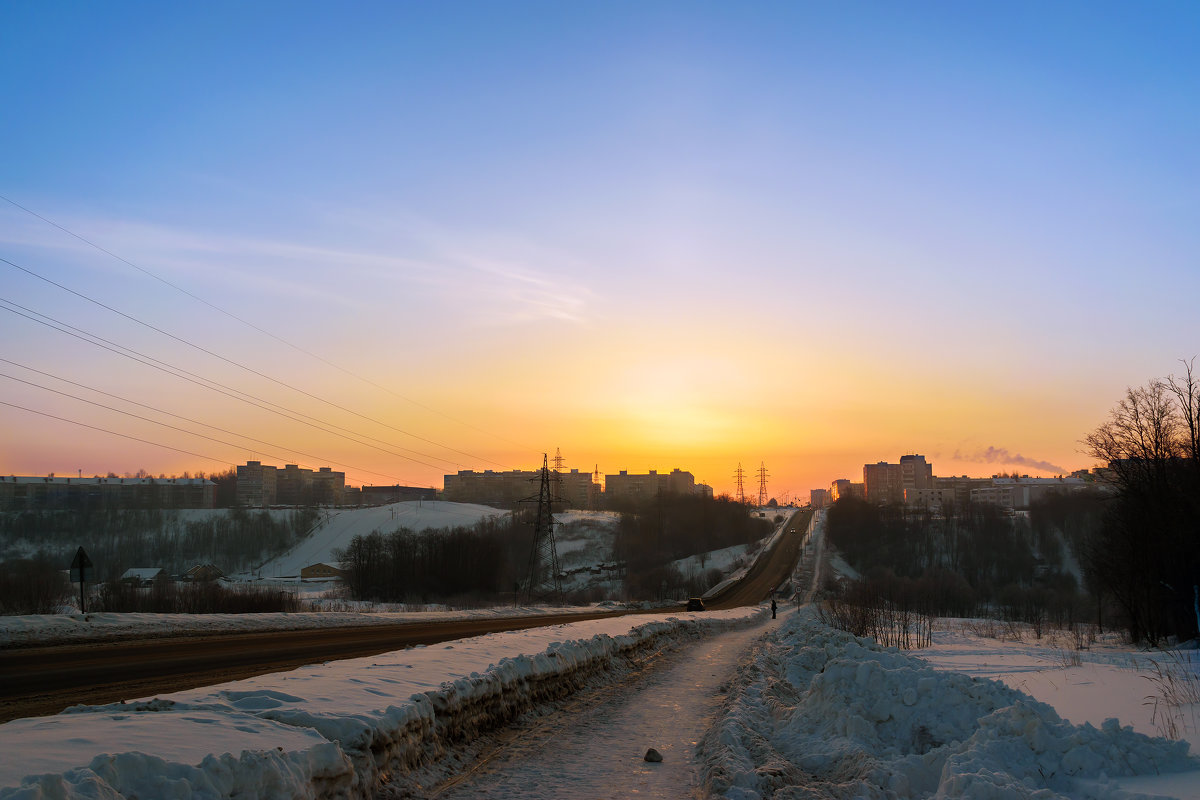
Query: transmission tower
(542,583)
(594,490)
(762,484)
(741,489)
(556,476)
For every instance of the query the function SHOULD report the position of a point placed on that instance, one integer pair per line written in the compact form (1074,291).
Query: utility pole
(542,581)
(741,488)
(762,484)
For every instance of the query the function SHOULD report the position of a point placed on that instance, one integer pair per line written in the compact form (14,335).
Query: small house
(203,573)
(321,571)
(142,576)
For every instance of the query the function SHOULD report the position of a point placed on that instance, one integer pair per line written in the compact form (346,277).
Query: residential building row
(264,485)
(912,482)
(23,492)
(574,488)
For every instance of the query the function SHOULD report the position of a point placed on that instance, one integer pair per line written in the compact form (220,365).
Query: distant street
(768,572)
(36,681)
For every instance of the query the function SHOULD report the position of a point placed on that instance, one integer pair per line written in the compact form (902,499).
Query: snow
(603,743)
(1088,678)
(822,709)
(339,527)
(326,730)
(46,629)
(988,711)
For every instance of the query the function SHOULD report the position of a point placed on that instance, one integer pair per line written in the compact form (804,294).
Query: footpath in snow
(336,730)
(599,751)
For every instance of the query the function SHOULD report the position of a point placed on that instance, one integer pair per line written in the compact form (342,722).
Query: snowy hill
(339,527)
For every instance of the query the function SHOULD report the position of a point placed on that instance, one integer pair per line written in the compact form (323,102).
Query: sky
(404,239)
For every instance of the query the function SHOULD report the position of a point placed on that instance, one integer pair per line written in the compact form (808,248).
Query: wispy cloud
(506,278)
(1000,455)
(519,277)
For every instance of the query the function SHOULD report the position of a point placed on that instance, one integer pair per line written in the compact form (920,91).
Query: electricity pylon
(594,490)
(762,484)
(556,475)
(741,489)
(542,582)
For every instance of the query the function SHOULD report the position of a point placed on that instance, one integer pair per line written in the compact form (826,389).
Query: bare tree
(1187,396)
(1140,437)
(1147,553)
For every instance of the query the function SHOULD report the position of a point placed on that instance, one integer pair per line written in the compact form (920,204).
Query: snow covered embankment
(325,731)
(840,717)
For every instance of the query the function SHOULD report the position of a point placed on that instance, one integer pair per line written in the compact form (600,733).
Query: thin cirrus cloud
(1000,455)
(518,286)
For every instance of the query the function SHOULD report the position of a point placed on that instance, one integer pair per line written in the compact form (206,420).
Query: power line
(214,386)
(239,365)
(263,331)
(114,433)
(177,416)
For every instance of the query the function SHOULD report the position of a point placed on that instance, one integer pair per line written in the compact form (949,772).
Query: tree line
(1136,537)
(491,558)
(957,562)
(117,539)
(1146,552)
(470,563)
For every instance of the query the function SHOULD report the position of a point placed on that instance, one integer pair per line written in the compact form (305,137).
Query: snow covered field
(339,527)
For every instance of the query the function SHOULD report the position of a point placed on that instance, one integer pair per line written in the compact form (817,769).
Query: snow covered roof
(141,573)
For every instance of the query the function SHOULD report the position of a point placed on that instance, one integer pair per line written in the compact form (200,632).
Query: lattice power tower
(762,484)
(543,582)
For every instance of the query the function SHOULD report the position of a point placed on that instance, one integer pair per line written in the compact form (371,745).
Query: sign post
(81,573)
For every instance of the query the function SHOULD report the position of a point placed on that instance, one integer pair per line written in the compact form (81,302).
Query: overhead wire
(114,433)
(239,365)
(214,386)
(261,330)
(324,461)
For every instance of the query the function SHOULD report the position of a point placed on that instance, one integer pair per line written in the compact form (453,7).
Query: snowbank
(842,717)
(335,730)
(43,629)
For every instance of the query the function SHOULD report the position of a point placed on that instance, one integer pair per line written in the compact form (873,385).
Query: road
(36,681)
(769,572)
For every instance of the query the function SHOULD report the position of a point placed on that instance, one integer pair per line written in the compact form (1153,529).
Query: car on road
(695,604)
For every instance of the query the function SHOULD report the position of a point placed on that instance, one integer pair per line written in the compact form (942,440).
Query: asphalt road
(35,681)
(769,572)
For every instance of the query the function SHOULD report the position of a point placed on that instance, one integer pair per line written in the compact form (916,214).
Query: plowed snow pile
(821,713)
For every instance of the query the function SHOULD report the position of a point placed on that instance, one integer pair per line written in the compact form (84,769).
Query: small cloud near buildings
(1000,455)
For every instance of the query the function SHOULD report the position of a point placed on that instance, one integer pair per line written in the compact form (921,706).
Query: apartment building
(21,492)
(505,489)
(626,486)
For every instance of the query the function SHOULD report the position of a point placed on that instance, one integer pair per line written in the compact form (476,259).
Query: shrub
(32,586)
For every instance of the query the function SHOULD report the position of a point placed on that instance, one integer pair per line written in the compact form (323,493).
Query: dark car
(695,604)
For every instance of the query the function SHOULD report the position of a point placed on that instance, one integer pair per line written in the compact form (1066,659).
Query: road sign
(81,568)
(81,573)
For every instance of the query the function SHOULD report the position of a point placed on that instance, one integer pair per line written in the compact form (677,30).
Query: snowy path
(597,753)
